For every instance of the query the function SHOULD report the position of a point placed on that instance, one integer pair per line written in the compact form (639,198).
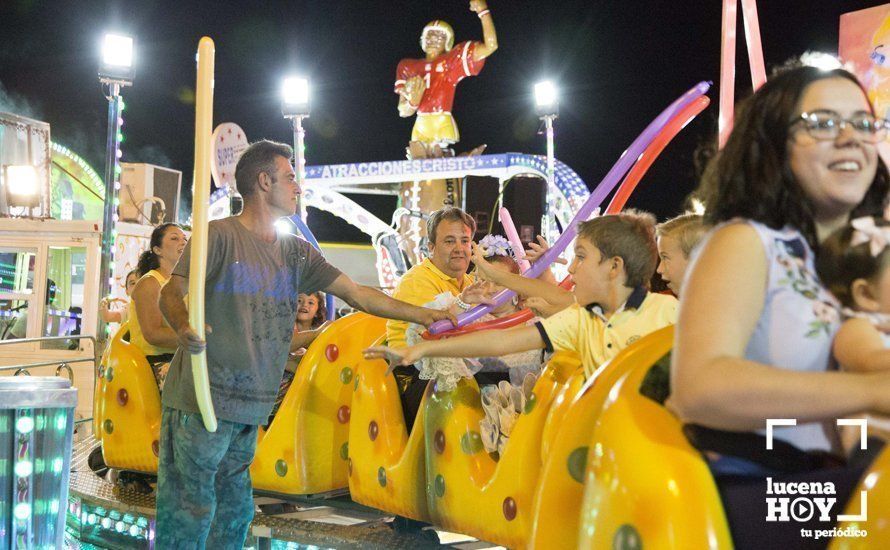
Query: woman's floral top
(797,323)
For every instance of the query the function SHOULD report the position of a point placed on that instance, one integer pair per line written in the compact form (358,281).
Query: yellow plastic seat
(566,445)
(876,483)
(645,484)
(386,466)
(127,407)
(467,490)
(305,450)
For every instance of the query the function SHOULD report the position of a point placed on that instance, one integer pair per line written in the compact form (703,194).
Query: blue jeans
(205,497)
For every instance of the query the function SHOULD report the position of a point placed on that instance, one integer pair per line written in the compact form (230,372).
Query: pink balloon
(513,237)
(752,38)
(727,71)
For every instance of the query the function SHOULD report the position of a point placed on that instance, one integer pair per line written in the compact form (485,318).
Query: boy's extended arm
(555,295)
(477,344)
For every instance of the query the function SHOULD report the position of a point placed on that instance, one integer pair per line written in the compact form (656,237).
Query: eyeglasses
(827,125)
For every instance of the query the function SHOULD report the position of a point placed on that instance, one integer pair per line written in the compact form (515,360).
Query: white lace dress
(447,371)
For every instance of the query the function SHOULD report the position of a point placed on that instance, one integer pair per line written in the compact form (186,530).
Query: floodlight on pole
(116,70)
(547,108)
(21,186)
(117,59)
(295,106)
(546,99)
(295,97)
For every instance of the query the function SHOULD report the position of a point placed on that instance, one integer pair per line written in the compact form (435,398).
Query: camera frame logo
(804,502)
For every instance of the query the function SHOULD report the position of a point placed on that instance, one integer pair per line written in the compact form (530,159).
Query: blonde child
(676,239)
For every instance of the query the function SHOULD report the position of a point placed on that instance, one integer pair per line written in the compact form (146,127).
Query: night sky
(617,63)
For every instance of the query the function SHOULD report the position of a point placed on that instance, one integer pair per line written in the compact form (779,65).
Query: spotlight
(295,97)
(21,186)
(546,99)
(117,59)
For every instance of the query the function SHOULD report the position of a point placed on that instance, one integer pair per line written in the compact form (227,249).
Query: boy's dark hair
(630,236)
(258,157)
(839,264)
(451,214)
(751,177)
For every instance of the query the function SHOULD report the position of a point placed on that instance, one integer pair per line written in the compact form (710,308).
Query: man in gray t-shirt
(251,286)
(251,305)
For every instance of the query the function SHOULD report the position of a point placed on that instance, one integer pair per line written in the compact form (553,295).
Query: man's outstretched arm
(373,301)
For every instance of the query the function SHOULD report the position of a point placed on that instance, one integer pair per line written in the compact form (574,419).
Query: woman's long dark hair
(148,260)
(751,177)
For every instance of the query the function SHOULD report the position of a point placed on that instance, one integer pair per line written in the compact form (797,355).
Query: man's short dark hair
(451,214)
(258,157)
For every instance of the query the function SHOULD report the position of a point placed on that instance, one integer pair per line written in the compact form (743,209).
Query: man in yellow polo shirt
(615,257)
(450,232)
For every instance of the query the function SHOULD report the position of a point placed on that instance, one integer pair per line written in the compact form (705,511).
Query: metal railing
(62,364)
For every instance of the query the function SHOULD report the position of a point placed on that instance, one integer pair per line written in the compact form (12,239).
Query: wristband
(486,11)
(461,304)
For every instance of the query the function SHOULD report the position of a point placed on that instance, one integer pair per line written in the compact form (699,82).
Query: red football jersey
(441,75)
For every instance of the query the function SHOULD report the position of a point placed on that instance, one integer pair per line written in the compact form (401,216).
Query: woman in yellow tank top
(148,330)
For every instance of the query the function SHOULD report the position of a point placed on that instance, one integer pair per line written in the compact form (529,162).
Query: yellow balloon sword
(200,201)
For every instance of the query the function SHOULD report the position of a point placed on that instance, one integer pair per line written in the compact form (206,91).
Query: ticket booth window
(16,290)
(63,315)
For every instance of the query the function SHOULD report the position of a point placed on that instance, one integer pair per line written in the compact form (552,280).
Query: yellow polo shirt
(420,285)
(581,330)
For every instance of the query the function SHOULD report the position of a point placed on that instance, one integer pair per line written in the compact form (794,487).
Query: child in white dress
(853,263)
(503,401)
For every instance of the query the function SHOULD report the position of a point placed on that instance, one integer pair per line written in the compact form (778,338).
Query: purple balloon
(608,183)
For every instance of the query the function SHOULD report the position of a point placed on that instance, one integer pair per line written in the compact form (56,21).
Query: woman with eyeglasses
(754,336)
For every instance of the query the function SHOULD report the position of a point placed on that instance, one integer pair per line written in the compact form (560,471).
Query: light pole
(547,108)
(295,107)
(115,72)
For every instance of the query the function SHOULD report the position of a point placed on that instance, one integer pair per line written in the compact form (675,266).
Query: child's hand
(479,292)
(536,250)
(483,265)
(105,303)
(540,306)
(394,356)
